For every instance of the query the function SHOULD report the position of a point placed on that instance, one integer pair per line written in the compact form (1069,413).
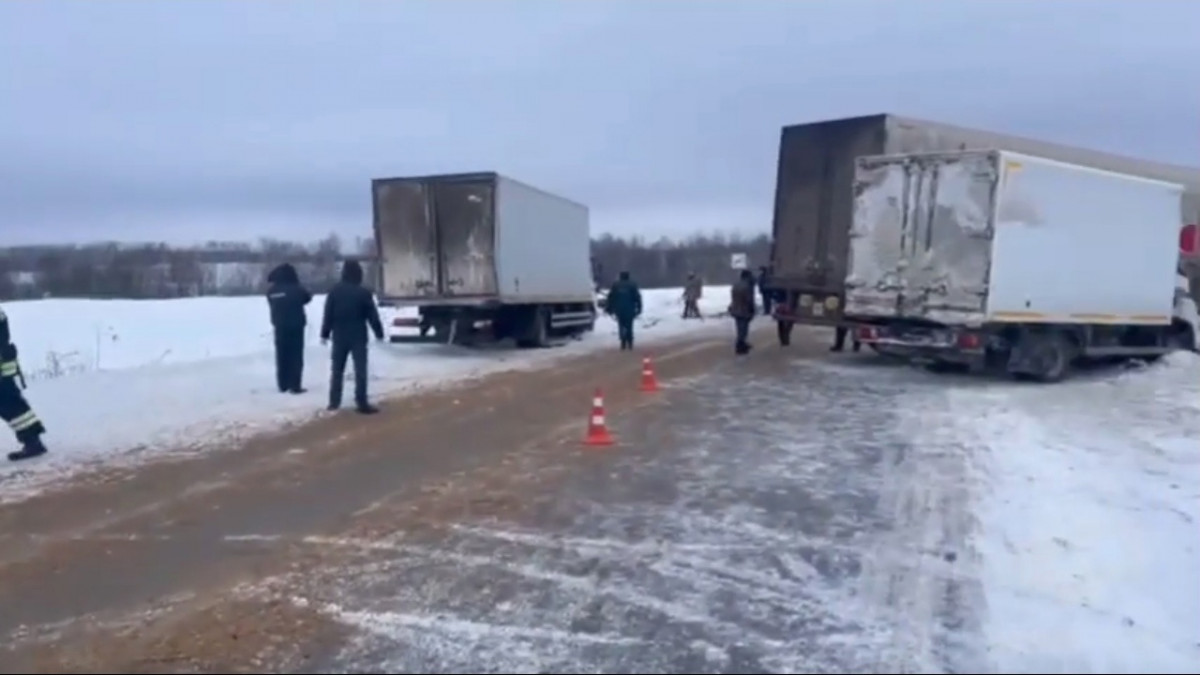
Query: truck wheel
(537,333)
(784,329)
(1181,337)
(1042,357)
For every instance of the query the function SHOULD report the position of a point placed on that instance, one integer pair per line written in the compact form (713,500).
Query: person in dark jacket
(764,278)
(349,310)
(287,298)
(624,303)
(14,409)
(693,289)
(741,308)
(839,340)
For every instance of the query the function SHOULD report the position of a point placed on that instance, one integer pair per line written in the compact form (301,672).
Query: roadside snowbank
(188,374)
(58,338)
(1089,520)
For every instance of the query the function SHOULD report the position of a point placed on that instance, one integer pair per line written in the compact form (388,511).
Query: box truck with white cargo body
(991,258)
(484,257)
(814,198)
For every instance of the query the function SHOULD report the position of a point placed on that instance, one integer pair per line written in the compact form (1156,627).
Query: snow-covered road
(820,516)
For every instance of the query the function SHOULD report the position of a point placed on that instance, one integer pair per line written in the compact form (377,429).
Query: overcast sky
(194,120)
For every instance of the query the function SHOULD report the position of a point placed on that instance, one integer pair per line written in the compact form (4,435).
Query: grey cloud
(178,113)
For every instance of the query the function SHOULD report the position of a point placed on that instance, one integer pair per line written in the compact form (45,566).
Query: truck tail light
(1188,240)
(867,334)
(969,341)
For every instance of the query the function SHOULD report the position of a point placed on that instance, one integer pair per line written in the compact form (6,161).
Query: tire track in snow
(757,528)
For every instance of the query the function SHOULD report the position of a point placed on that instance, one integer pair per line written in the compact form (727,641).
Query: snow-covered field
(113,376)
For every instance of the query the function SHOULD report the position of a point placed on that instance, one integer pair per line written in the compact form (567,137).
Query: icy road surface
(816,516)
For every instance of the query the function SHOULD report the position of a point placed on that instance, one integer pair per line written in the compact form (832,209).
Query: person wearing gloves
(349,311)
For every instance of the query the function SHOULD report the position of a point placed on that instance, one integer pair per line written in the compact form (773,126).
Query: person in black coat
(287,298)
(349,310)
(763,283)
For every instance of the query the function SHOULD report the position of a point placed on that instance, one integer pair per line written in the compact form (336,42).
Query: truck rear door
(465,226)
(920,246)
(813,201)
(405,239)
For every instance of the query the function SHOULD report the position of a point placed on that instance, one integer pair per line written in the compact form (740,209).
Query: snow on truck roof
(1018,158)
(1187,176)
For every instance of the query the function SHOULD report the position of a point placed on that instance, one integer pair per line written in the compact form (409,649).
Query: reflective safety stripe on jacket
(23,421)
(9,369)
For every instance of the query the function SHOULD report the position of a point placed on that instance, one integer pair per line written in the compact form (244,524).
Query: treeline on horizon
(156,270)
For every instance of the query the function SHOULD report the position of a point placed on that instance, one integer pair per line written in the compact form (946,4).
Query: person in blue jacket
(624,303)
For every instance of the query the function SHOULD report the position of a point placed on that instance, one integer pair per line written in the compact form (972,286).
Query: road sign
(738,261)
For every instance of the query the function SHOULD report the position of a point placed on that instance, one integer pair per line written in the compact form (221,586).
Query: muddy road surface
(762,514)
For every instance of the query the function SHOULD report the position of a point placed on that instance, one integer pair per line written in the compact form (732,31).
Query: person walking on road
(741,308)
(14,409)
(693,288)
(287,298)
(349,310)
(624,303)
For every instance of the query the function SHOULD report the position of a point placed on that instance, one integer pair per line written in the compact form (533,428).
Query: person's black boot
(33,448)
(366,409)
(298,390)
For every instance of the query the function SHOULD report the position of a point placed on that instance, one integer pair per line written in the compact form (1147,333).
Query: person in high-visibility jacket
(14,409)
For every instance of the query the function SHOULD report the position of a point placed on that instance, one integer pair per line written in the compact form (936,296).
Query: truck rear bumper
(930,344)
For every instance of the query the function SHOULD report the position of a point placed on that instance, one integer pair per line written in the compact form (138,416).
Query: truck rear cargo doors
(435,237)
(813,205)
(920,247)
(404,237)
(465,232)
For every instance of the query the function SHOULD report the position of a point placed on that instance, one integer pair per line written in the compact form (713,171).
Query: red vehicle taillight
(969,341)
(867,334)
(1188,240)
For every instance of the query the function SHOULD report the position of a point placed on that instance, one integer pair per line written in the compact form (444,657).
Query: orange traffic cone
(597,430)
(649,381)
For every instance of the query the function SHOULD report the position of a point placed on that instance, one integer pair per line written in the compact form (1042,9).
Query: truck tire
(1042,357)
(537,332)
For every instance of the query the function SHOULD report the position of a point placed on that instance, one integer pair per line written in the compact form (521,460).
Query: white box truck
(484,257)
(983,258)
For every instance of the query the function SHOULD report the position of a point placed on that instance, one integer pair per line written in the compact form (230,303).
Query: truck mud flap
(413,339)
